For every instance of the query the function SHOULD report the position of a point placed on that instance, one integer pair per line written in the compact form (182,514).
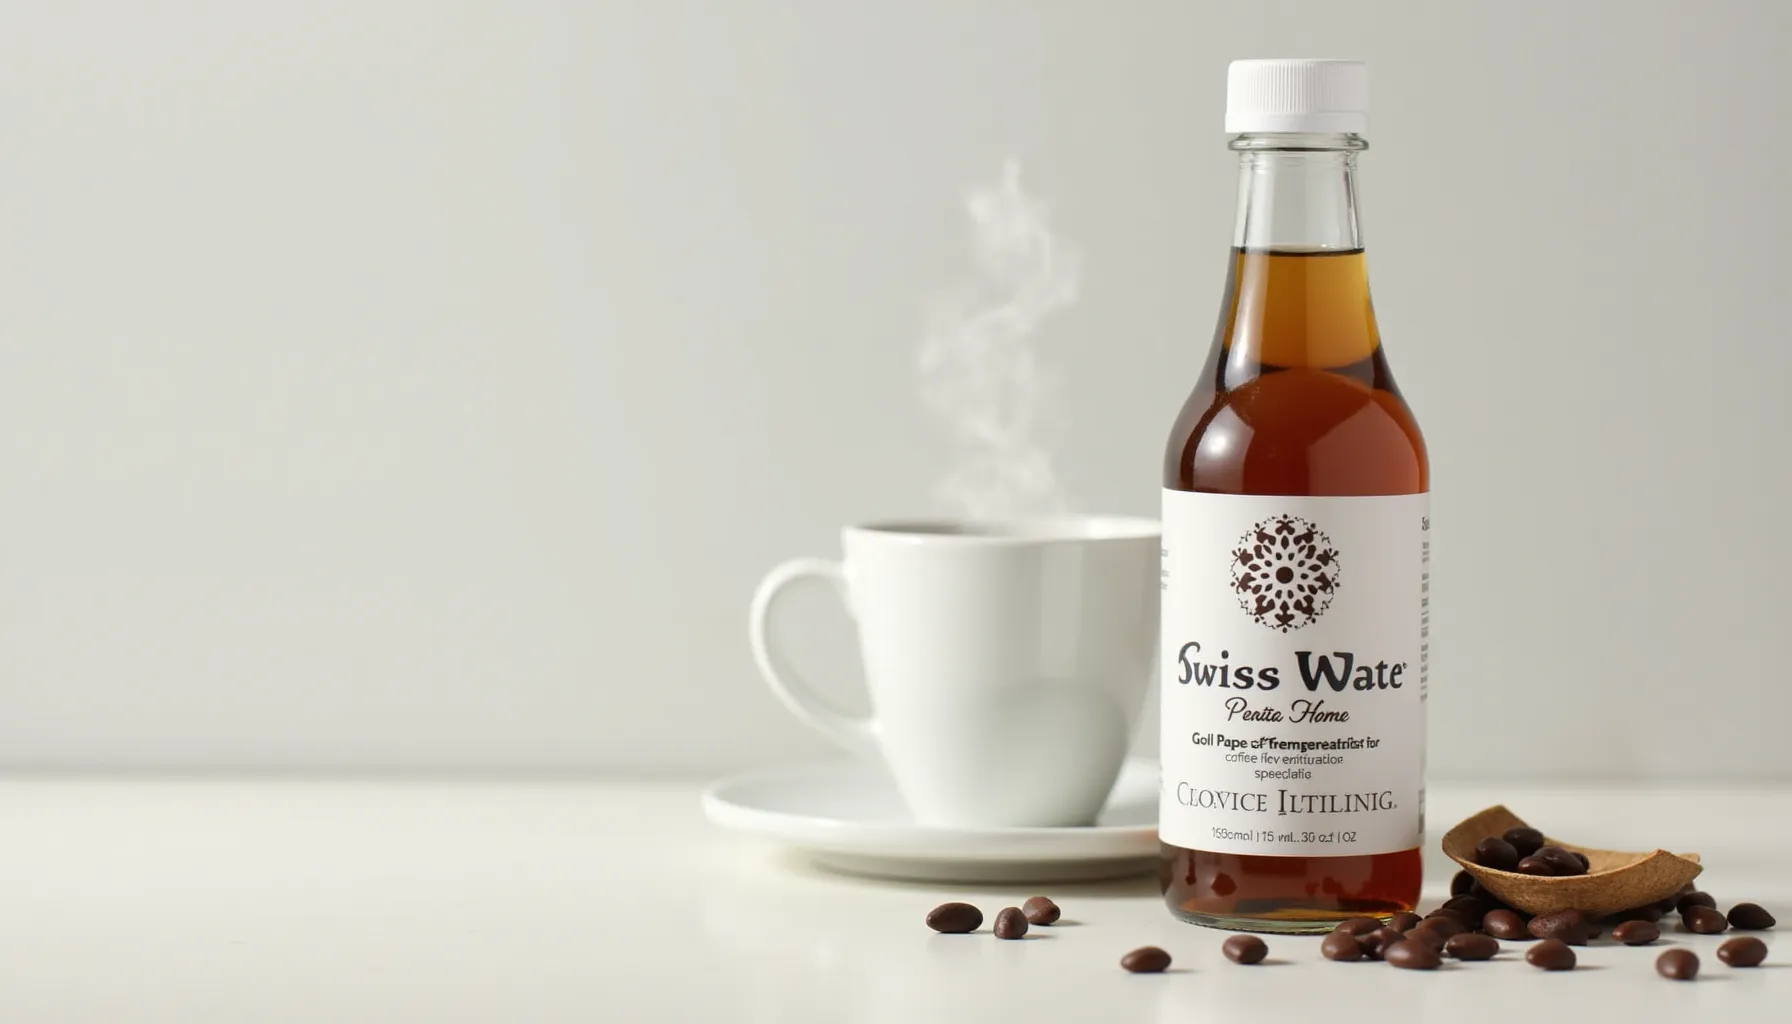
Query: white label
(1295,635)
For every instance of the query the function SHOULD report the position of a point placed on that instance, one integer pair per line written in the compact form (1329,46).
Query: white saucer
(847,816)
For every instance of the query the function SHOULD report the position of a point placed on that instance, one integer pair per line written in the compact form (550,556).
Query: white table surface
(341,901)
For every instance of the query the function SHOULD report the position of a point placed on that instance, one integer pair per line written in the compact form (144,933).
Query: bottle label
(1294,673)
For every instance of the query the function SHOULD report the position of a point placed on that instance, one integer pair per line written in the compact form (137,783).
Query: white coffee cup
(1007,662)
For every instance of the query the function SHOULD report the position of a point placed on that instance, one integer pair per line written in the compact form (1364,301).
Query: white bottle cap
(1319,96)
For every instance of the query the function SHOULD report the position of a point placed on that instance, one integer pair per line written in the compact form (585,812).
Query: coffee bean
(1358,925)
(1636,933)
(1412,955)
(1673,902)
(1695,899)
(1469,946)
(1567,926)
(1244,949)
(1678,964)
(1494,852)
(955,918)
(1445,925)
(1486,895)
(1375,942)
(1341,946)
(1703,920)
(1011,923)
(1649,913)
(1471,908)
(1040,910)
(1505,924)
(1743,951)
(1585,864)
(1424,936)
(1461,883)
(1535,865)
(1525,840)
(1564,862)
(1403,920)
(1459,915)
(1751,917)
(1146,960)
(1550,955)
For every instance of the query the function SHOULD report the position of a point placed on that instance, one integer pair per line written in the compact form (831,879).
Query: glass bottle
(1296,551)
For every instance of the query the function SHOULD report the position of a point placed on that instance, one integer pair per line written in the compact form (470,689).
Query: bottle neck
(1298,294)
(1297,193)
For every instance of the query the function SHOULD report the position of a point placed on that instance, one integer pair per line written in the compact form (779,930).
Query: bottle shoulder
(1297,431)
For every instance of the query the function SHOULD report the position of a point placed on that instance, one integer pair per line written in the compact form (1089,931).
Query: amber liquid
(1296,399)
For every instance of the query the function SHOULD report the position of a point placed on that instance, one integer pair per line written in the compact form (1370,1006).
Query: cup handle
(858,735)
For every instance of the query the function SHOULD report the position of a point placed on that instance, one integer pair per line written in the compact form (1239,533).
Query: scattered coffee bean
(1678,964)
(1743,951)
(1040,910)
(1358,925)
(1695,899)
(1461,916)
(1703,920)
(1375,942)
(1650,913)
(1244,949)
(1673,902)
(1525,840)
(1445,925)
(1146,960)
(1564,862)
(1465,902)
(1010,923)
(1505,924)
(1412,955)
(1424,936)
(1636,933)
(1469,946)
(1535,865)
(955,918)
(1567,926)
(1550,955)
(1751,917)
(1461,883)
(1486,895)
(1471,908)
(1403,920)
(1494,852)
(1342,946)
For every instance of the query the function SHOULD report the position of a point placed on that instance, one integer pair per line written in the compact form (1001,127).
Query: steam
(979,365)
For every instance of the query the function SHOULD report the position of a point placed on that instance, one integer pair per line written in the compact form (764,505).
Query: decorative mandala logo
(1285,572)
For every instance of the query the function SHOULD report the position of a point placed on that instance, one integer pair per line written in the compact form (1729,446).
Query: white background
(390,383)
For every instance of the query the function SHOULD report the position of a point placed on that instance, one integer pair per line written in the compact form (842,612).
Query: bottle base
(1293,923)
(1287,895)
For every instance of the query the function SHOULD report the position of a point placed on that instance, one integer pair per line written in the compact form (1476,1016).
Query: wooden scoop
(1615,879)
